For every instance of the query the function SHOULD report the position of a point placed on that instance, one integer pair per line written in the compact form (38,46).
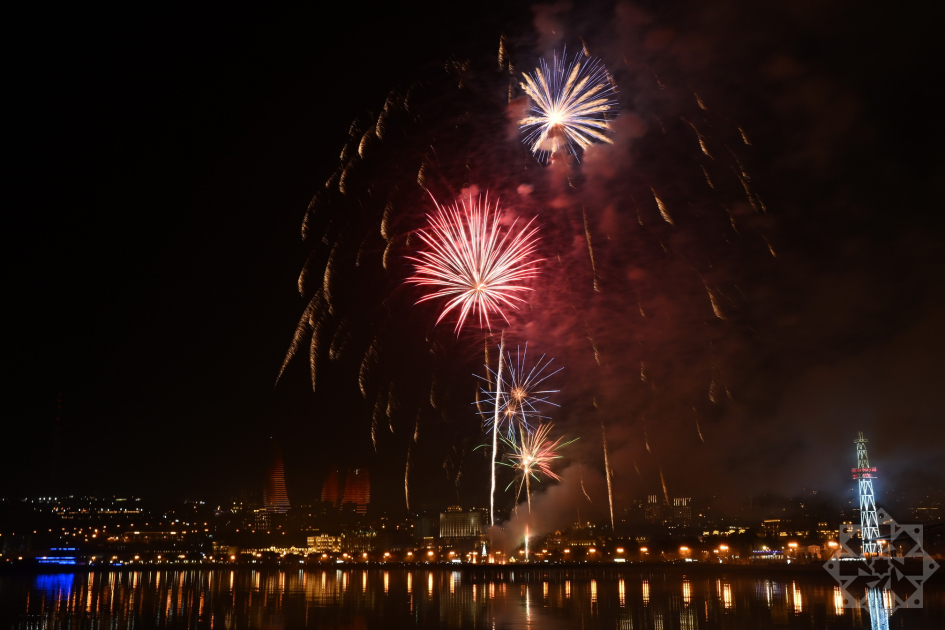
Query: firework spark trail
(533,454)
(663,211)
(663,481)
(304,326)
(495,429)
(590,249)
(698,428)
(474,263)
(407,481)
(610,475)
(707,179)
(522,393)
(770,247)
(586,495)
(744,136)
(370,357)
(594,347)
(715,305)
(571,101)
(416,438)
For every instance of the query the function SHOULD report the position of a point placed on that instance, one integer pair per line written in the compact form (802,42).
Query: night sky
(161,161)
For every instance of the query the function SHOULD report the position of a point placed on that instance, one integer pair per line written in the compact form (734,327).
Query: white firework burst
(572,105)
(521,393)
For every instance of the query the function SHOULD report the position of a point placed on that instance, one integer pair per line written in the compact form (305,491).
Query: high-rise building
(462,530)
(455,523)
(357,489)
(332,488)
(682,509)
(275,497)
(653,511)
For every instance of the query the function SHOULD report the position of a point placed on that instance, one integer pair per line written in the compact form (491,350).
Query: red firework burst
(474,263)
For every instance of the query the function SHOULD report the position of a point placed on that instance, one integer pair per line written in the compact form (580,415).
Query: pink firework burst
(474,263)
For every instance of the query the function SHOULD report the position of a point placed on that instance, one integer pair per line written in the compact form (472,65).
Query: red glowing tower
(357,489)
(275,497)
(331,490)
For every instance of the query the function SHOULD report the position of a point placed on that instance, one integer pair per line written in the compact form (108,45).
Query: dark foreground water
(648,599)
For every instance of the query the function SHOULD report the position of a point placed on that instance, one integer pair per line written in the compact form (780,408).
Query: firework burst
(533,454)
(572,104)
(523,391)
(474,263)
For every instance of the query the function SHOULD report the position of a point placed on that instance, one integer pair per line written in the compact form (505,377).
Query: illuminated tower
(358,489)
(869,524)
(275,498)
(331,489)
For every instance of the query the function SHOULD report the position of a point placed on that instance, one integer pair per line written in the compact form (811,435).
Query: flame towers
(275,497)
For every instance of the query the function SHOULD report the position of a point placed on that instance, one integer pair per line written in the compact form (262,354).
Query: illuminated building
(261,519)
(653,511)
(275,498)
(324,543)
(463,530)
(147,538)
(331,489)
(358,541)
(357,489)
(682,509)
(455,523)
(353,489)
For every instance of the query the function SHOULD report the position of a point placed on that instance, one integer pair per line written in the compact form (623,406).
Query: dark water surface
(645,599)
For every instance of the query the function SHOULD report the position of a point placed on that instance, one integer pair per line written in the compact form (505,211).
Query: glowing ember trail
(495,431)
(473,262)
(572,104)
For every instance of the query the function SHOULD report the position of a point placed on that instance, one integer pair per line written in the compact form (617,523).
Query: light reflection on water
(388,598)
